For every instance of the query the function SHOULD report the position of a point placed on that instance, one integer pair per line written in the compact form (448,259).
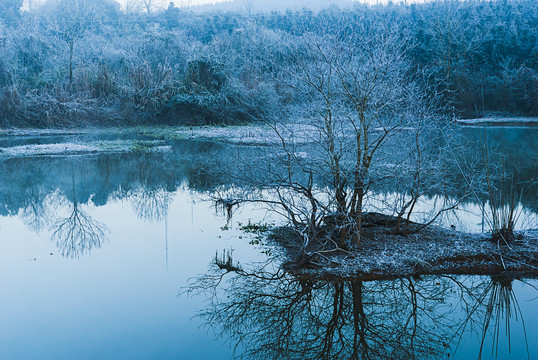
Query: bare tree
(361,103)
(248,5)
(149,5)
(71,20)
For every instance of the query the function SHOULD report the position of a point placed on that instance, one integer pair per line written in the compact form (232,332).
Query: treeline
(76,62)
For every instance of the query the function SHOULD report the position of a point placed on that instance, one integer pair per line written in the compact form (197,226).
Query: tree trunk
(71,45)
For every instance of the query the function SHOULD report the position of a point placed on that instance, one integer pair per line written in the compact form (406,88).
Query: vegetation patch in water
(70,148)
(384,254)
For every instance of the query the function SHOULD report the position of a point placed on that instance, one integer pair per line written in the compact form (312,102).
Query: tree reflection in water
(39,210)
(501,304)
(78,233)
(269,314)
(151,204)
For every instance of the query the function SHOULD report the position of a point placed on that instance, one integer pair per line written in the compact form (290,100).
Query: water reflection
(269,314)
(501,306)
(151,204)
(32,187)
(78,233)
(39,210)
(27,181)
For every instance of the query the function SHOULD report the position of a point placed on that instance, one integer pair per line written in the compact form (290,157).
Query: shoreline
(499,121)
(257,133)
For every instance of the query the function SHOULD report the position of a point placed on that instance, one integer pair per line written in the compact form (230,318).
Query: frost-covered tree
(359,103)
(149,5)
(71,19)
(10,9)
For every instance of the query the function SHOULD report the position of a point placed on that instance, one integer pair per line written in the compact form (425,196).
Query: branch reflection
(501,305)
(76,234)
(270,314)
(151,204)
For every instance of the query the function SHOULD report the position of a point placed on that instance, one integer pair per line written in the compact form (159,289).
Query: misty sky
(132,4)
(159,2)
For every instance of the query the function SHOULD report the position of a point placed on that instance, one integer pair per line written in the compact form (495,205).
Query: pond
(111,255)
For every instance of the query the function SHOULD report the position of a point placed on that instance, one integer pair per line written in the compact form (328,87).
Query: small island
(434,251)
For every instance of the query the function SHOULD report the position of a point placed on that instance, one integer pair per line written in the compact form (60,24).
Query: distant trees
(171,16)
(148,4)
(481,57)
(470,47)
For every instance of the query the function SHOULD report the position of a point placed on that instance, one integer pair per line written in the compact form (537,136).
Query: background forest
(81,62)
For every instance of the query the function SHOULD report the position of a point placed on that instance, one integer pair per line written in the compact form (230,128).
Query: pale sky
(158,2)
(162,4)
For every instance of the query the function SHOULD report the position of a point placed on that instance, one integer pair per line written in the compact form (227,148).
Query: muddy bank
(382,255)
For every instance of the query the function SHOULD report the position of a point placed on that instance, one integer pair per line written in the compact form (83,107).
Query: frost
(254,134)
(81,148)
(500,121)
(434,251)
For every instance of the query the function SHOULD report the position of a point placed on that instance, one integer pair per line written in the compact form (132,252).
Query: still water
(98,253)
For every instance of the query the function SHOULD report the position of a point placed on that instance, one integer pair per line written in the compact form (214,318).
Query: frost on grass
(82,148)
(432,251)
(500,121)
(254,134)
